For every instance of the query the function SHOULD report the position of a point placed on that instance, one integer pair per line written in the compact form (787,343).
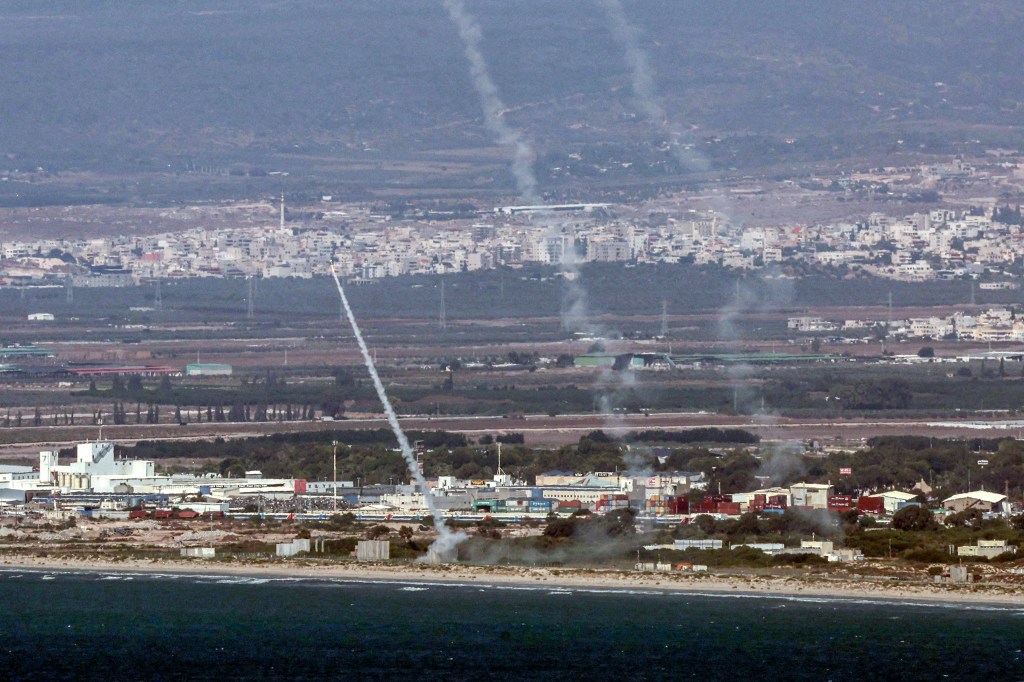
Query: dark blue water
(87,626)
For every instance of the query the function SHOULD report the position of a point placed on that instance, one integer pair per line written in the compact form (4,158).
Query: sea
(143,626)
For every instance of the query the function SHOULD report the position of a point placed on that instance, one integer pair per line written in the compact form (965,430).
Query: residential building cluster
(940,243)
(993,324)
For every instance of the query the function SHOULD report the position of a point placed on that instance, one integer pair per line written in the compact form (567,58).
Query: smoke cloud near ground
(782,463)
(493,107)
(590,543)
(446,539)
(762,294)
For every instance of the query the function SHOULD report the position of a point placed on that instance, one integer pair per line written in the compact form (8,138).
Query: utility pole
(158,299)
(334,448)
(664,318)
(69,290)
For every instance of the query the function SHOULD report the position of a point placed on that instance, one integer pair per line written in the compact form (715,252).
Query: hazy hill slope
(121,86)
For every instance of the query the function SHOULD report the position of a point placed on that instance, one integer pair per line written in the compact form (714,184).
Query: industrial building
(208,369)
(981,500)
(811,495)
(891,501)
(95,468)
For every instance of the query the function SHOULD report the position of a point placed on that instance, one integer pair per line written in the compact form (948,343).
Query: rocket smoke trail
(490,100)
(643,85)
(574,314)
(446,539)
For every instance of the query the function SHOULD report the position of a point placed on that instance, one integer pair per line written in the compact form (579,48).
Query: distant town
(368,243)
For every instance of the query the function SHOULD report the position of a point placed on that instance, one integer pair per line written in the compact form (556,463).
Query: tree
(926,352)
(914,518)
(968,518)
(377,532)
(560,528)
(706,523)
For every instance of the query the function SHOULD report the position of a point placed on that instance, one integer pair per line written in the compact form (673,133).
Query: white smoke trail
(446,539)
(644,90)
(574,313)
(490,101)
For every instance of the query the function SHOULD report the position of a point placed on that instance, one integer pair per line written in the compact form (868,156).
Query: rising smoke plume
(644,90)
(490,101)
(574,304)
(447,540)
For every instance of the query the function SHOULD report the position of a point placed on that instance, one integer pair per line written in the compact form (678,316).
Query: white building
(894,500)
(95,468)
(809,324)
(813,495)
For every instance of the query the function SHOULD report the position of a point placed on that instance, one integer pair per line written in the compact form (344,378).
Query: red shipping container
(730,508)
(870,505)
(680,505)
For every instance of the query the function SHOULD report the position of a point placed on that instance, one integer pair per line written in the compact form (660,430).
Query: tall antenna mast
(664,318)
(282,210)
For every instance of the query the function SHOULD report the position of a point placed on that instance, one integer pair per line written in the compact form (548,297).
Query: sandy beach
(594,579)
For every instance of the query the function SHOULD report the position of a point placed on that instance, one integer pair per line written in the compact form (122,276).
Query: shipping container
(870,505)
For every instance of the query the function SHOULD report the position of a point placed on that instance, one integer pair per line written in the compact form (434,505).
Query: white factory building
(97,469)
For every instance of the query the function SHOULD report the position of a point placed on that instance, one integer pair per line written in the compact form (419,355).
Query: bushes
(927,555)
(914,518)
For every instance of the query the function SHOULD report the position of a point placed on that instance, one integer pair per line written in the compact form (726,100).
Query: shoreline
(573,578)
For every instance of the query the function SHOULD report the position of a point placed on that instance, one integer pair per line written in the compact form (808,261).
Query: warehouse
(979,499)
(207,369)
